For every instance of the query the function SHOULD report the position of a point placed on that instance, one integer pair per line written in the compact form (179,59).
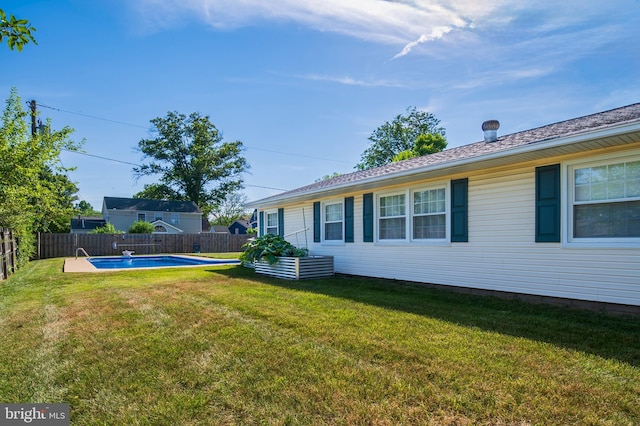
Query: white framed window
(417,215)
(429,215)
(142,217)
(333,221)
(604,200)
(392,217)
(175,218)
(271,222)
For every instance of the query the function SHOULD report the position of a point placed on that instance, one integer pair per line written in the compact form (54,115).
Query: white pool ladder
(82,250)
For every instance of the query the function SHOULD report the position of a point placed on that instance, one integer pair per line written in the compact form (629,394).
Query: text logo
(34,414)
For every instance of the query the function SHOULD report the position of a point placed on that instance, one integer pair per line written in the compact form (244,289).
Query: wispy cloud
(403,23)
(350,81)
(436,33)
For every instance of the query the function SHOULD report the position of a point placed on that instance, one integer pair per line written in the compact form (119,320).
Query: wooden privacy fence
(65,245)
(8,253)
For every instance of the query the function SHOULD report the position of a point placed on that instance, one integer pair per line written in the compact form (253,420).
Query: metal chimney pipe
(490,129)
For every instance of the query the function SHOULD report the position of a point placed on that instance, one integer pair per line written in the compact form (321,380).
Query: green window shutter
(261,225)
(367,218)
(316,222)
(281,222)
(348,220)
(459,211)
(548,204)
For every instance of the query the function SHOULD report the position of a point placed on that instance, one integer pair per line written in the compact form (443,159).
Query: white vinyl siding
(501,253)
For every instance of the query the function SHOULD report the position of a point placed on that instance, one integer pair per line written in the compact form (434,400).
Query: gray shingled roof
(563,129)
(87,222)
(140,204)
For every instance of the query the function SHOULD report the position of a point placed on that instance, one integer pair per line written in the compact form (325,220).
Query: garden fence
(8,253)
(66,245)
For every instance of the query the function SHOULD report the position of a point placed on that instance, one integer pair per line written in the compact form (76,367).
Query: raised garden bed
(297,268)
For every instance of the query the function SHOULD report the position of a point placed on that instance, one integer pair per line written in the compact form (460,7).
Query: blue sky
(304,83)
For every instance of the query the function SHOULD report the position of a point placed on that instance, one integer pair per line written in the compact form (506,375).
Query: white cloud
(402,23)
(350,81)
(436,33)
(380,21)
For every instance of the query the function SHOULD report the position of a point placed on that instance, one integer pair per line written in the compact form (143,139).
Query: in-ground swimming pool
(126,262)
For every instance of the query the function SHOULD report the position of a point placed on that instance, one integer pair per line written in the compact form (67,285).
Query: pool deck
(82,264)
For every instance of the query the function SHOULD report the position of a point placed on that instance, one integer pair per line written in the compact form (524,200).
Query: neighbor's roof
(141,204)
(564,133)
(87,222)
(219,229)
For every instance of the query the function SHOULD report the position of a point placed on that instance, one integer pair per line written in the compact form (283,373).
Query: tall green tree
(229,210)
(18,32)
(425,144)
(35,193)
(84,208)
(192,161)
(398,135)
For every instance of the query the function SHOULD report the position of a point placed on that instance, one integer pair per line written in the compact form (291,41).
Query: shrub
(141,227)
(106,229)
(270,247)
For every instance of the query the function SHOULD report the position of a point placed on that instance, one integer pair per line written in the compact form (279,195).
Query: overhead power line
(148,128)
(139,165)
(94,117)
(101,157)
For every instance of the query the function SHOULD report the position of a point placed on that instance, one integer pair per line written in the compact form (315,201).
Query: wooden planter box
(297,268)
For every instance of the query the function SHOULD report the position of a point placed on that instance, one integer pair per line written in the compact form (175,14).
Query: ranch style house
(550,213)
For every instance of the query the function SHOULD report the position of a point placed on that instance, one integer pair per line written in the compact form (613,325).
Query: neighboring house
(168,217)
(552,211)
(219,229)
(206,226)
(86,224)
(239,226)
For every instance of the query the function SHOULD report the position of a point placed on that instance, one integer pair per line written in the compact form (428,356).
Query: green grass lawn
(221,345)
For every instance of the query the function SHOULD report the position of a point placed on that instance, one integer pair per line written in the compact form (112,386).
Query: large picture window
(606,200)
(415,215)
(333,217)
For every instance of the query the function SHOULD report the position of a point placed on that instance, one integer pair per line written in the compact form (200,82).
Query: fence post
(8,250)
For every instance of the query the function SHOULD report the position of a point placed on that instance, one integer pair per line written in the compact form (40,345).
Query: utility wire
(102,158)
(94,117)
(148,128)
(299,155)
(68,178)
(139,165)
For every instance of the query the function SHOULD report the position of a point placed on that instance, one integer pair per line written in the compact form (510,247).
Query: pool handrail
(83,250)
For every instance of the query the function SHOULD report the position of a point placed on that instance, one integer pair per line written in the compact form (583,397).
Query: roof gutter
(541,145)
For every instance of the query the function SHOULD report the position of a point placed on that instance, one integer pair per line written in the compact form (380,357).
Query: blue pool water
(122,262)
